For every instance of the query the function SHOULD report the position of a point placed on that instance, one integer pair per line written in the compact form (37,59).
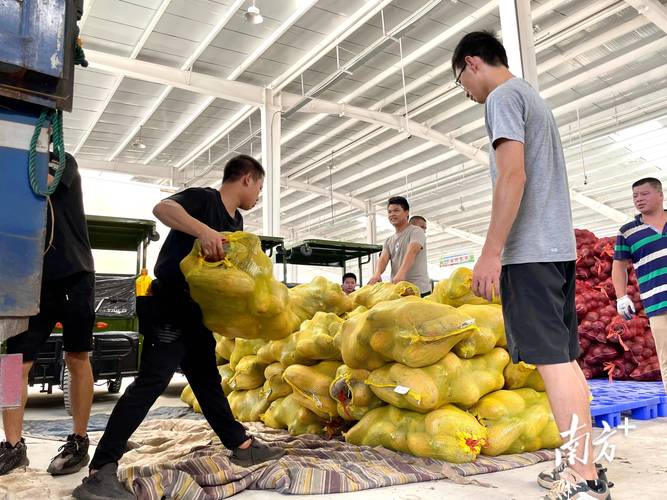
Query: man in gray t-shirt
(405,249)
(529,253)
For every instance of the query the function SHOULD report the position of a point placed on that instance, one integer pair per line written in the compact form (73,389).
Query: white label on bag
(401,389)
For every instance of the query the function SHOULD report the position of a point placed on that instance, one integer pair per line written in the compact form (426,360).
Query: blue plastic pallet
(643,400)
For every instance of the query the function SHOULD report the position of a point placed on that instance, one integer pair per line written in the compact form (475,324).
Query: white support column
(270,111)
(371,233)
(517,29)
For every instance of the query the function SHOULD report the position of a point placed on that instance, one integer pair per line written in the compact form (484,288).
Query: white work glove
(625,307)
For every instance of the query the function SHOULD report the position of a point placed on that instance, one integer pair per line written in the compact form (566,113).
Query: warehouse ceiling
(602,67)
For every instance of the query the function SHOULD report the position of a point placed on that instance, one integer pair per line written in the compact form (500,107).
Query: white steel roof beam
(369,9)
(360,138)
(551,91)
(652,10)
(119,78)
(201,47)
(618,88)
(252,58)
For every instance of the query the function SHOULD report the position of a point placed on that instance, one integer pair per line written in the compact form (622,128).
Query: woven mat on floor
(183,459)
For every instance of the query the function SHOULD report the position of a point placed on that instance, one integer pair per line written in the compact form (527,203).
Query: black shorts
(70,301)
(539,312)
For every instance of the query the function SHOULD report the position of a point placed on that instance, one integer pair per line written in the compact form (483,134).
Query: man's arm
(507,197)
(379,268)
(173,215)
(413,249)
(619,277)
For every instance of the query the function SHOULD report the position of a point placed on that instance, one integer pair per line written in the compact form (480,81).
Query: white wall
(118,198)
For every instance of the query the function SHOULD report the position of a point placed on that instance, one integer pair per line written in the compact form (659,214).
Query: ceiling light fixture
(138,143)
(252,15)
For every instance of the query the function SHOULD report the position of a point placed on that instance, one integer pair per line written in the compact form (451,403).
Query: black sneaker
(547,478)
(72,458)
(255,454)
(102,485)
(13,457)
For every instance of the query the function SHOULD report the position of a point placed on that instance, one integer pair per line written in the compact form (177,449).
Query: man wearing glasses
(529,253)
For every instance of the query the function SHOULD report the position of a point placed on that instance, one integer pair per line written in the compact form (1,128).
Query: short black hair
(349,275)
(416,217)
(242,165)
(649,180)
(482,44)
(399,200)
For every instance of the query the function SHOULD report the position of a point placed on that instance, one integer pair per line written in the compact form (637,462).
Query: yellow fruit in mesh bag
(353,397)
(239,297)
(517,421)
(318,295)
(354,312)
(370,295)
(490,332)
(187,396)
(248,374)
(415,332)
(310,386)
(457,290)
(287,413)
(315,338)
(275,387)
(521,375)
(226,373)
(447,433)
(313,342)
(353,342)
(243,348)
(450,380)
(247,406)
(223,349)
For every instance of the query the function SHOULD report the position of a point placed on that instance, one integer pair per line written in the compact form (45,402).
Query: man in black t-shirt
(67,296)
(176,334)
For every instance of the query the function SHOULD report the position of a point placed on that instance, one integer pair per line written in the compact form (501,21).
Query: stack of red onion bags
(610,346)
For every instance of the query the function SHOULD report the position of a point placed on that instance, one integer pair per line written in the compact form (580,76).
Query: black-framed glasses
(457,82)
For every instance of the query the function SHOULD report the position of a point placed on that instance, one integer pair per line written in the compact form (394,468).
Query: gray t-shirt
(397,246)
(542,230)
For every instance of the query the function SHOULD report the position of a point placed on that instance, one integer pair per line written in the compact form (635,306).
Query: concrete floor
(639,469)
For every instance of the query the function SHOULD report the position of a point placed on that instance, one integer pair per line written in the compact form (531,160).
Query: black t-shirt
(205,205)
(70,251)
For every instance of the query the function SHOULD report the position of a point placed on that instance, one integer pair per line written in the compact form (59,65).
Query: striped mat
(174,466)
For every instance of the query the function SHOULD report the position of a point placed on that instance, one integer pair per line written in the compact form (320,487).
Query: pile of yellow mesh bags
(430,377)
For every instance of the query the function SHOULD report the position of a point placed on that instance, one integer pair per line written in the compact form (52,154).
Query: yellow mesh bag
(243,348)
(409,330)
(320,295)
(490,331)
(450,380)
(457,290)
(353,397)
(275,387)
(223,349)
(447,433)
(247,406)
(226,373)
(521,375)
(370,295)
(310,386)
(517,421)
(238,296)
(287,413)
(248,374)
(313,342)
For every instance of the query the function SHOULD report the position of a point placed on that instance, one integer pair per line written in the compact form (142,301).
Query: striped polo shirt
(647,248)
